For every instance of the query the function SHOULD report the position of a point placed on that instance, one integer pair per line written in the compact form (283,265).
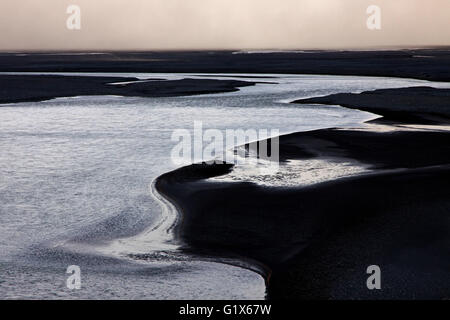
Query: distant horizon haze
(146,25)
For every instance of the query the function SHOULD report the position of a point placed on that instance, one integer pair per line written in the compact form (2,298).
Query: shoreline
(47,87)
(424,64)
(291,230)
(411,105)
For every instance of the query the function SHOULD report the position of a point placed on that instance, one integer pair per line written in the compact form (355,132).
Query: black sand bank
(316,242)
(22,88)
(418,105)
(427,63)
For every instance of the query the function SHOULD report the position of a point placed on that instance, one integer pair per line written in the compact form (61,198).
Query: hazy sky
(216,24)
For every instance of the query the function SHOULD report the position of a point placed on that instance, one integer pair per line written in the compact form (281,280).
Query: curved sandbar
(318,240)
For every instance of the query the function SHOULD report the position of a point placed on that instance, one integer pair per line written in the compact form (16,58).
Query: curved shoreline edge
(412,105)
(317,241)
(165,185)
(47,87)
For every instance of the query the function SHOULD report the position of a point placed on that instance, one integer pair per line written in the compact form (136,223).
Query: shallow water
(76,180)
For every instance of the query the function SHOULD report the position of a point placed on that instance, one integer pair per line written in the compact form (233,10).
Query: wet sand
(315,242)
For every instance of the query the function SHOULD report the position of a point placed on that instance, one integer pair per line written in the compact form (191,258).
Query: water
(76,180)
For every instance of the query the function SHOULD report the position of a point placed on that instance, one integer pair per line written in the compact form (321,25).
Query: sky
(221,24)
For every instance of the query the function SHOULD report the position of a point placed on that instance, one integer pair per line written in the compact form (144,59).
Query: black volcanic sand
(418,105)
(316,242)
(427,64)
(22,88)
